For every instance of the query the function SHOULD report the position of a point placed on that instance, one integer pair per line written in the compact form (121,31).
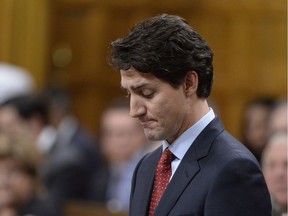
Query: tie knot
(167,157)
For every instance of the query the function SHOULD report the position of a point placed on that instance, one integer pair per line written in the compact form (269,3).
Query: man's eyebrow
(136,87)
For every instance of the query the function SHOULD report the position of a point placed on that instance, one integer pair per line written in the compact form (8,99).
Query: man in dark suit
(166,68)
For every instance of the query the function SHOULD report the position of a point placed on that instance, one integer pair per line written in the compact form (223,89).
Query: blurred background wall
(66,42)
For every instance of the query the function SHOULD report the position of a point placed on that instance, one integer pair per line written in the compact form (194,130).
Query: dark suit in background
(66,174)
(112,184)
(38,207)
(72,133)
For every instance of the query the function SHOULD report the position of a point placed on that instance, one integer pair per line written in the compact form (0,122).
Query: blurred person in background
(19,182)
(65,170)
(274,164)
(69,129)
(277,121)
(123,143)
(14,81)
(255,126)
(26,115)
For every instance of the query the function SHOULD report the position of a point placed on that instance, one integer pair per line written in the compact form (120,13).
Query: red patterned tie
(162,177)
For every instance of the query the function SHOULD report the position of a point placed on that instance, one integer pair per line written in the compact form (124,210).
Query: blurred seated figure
(65,169)
(123,143)
(14,81)
(26,115)
(277,121)
(69,130)
(19,192)
(274,164)
(255,125)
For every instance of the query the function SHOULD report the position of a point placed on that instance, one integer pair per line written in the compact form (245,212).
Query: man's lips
(146,122)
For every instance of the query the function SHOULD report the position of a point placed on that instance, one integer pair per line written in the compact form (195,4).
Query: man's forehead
(136,80)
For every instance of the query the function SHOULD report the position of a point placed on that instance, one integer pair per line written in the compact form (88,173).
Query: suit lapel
(141,197)
(189,167)
(184,174)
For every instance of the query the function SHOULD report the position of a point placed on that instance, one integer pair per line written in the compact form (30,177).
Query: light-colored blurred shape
(278,117)
(274,164)
(14,81)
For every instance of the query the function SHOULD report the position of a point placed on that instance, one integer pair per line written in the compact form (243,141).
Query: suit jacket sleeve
(238,190)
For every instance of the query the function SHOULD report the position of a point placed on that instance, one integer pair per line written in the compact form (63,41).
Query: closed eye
(150,95)
(147,93)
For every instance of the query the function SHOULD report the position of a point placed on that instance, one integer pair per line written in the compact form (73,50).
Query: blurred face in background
(122,137)
(274,163)
(255,131)
(11,123)
(16,186)
(7,166)
(278,119)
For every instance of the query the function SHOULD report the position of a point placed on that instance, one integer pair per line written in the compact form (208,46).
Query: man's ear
(191,83)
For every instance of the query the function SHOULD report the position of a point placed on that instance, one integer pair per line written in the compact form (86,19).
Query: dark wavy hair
(167,47)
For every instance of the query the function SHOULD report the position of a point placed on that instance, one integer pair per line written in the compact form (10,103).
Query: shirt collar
(46,139)
(181,145)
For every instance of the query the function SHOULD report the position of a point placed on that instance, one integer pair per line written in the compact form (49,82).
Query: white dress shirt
(181,145)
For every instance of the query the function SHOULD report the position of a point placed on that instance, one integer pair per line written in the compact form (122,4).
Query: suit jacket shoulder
(215,178)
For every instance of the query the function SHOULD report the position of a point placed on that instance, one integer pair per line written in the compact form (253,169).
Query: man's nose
(137,107)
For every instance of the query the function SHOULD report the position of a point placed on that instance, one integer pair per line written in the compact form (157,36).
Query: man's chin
(152,136)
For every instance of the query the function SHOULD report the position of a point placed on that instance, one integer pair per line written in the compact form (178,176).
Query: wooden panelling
(74,208)
(24,35)
(247,37)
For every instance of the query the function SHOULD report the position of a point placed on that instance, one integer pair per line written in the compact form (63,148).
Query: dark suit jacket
(87,144)
(99,185)
(218,176)
(66,174)
(38,207)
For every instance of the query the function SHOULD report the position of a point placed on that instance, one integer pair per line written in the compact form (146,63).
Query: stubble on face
(163,117)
